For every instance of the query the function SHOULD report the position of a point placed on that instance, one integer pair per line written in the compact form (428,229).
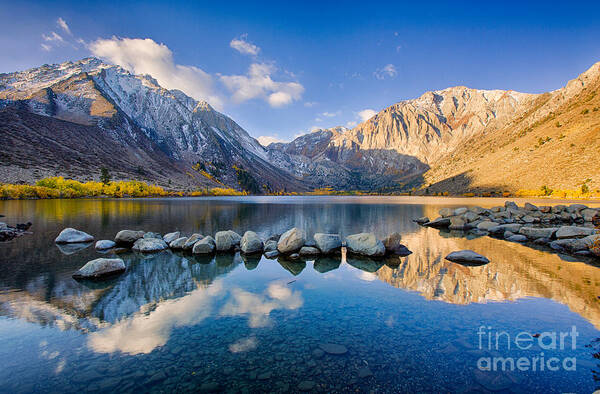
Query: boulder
(470,217)
(170,237)
(457,223)
(467,257)
(100,268)
(227,240)
(328,243)
(365,244)
(191,241)
(574,232)
(393,246)
(517,238)
(71,236)
(128,237)
(536,232)
(460,211)
(178,243)
(291,241)
(486,225)
(574,208)
(149,245)
(438,223)
(446,212)
(511,205)
(421,220)
(542,241)
(104,244)
(251,243)
(150,234)
(588,214)
(593,243)
(558,209)
(545,209)
(528,219)
(530,207)
(309,251)
(206,245)
(270,246)
(478,210)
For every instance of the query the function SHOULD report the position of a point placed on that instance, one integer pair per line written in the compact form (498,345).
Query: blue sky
(282,68)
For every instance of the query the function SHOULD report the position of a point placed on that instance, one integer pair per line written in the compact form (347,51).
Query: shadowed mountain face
(159,134)
(489,138)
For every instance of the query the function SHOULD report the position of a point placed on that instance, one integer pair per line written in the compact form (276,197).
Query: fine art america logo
(534,345)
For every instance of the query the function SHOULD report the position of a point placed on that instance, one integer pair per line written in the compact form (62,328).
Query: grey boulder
(149,245)
(574,232)
(251,243)
(178,243)
(467,257)
(191,241)
(536,232)
(227,240)
(170,237)
(394,246)
(71,235)
(270,246)
(365,244)
(104,244)
(100,268)
(205,246)
(291,241)
(328,243)
(309,251)
(128,237)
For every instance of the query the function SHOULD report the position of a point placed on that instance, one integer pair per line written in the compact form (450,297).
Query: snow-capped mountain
(204,145)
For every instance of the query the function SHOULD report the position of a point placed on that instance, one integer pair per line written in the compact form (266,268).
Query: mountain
(73,118)
(460,139)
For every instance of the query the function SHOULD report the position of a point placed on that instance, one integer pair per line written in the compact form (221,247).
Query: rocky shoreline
(562,228)
(292,245)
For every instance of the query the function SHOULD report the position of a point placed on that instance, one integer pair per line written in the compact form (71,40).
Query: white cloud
(257,83)
(53,37)
(310,104)
(266,140)
(331,114)
(145,56)
(387,71)
(351,124)
(243,46)
(366,114)
(46,48)
(63,25)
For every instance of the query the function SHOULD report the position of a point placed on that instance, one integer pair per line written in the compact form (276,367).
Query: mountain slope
(460,139)
(203,145)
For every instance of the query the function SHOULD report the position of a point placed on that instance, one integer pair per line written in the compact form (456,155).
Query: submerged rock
(104,244)
(100,268)
(149,245)
(170,237)
(517,238)
(467,257)
(328,243)
(421,220)
(272,254)
(206,245)
(71,235)
(291,241)
(365,244)
(439,222)
(226,241)
(128,237)
(251,243)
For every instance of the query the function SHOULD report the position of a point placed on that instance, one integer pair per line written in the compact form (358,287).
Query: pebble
(332,348)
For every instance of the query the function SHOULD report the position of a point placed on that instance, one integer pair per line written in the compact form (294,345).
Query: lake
(526,321)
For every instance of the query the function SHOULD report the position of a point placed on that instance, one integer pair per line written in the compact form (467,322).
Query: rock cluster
(292,244)
(564,228)
(8,232)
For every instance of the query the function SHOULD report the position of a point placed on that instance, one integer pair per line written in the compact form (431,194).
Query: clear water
(173,322)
